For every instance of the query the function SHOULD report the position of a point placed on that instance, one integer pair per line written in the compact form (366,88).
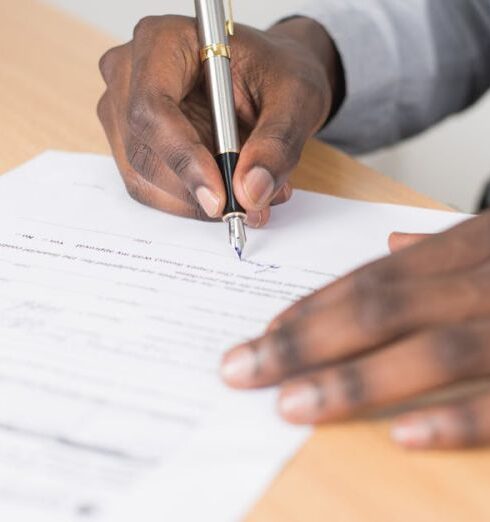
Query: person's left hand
(407,324)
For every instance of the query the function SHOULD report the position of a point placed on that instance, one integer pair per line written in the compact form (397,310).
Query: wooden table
(49,86)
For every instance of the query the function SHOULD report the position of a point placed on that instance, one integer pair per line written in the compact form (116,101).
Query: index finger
(440,254)
(362,320)
(165,70)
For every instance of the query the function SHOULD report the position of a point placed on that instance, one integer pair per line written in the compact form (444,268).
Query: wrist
(312,35)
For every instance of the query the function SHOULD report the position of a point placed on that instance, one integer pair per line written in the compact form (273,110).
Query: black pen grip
(227,163)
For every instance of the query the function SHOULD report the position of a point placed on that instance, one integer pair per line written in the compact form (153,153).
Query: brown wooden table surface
(49,86)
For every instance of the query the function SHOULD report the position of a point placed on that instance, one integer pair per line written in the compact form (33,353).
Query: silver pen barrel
(215,55)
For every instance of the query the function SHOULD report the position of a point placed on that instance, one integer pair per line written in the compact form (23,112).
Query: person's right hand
(156,117)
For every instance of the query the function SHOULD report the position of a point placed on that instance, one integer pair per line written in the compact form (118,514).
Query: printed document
(113,321)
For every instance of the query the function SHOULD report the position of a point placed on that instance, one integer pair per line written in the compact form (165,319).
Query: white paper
(113,319)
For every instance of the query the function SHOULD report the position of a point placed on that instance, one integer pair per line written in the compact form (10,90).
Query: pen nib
(238,237)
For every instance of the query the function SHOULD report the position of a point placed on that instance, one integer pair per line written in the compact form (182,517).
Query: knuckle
(458,351)
(107,63)
(368,281)
(378,306)
(145,26)
(287,347)
(376,275)
(352,385)
(139,116)
(103,108)
(144,161)
(179,158)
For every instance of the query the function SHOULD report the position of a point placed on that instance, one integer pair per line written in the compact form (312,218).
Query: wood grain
(49,87)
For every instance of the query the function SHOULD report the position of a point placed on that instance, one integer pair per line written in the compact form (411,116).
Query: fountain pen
(215,54)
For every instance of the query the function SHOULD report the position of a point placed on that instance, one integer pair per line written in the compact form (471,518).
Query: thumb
(268,158)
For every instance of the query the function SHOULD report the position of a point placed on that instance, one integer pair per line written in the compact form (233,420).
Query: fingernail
(299,402)
(239,366)
(208,201)
(414,434)
(259,185)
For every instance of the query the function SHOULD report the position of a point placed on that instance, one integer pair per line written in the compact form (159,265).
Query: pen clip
(230,24)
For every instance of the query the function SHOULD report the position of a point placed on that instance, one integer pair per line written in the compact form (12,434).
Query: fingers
(415,365)
(398,240)
(284,194)
(138,187)
(464,424)
(159,122)
(160,81)
(464,246)
(116,69)
(165,192)
(162,116)
(355,323)
(258,219)
(261,218)
(146,87)
(274,147)
(174,68)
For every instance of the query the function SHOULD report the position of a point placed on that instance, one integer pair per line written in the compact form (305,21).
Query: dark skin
(156,114)
(408,324)
(413,322)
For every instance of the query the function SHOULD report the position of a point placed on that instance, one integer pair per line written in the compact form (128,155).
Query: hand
(156,116)
(407,324)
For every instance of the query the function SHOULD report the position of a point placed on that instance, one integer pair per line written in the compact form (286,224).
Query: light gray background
(450,162)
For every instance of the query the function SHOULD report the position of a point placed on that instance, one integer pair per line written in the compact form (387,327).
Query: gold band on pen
(215,50)
(230,24)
